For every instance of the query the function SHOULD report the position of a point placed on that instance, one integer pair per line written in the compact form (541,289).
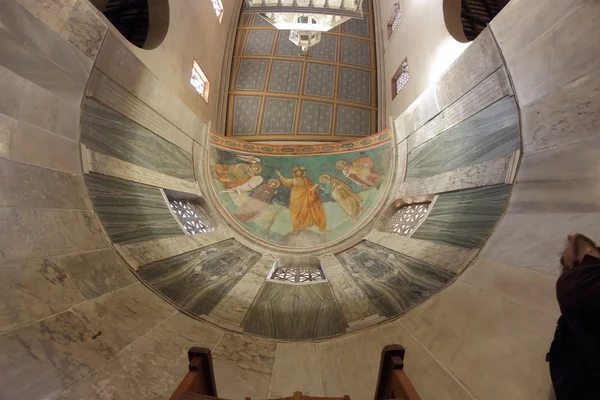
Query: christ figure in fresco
(306,209)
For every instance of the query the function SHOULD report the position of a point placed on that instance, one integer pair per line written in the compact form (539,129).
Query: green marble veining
(106,131)
(490,134)
(392,281)
(464,218)
(131,212)
(199,279)
(288,311)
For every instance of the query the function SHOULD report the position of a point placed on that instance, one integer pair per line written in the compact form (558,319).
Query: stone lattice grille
(193,218)
(407,218)
(298,273)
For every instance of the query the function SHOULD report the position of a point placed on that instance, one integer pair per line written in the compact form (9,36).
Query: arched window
(297,270)
(407,219)
(144,23)
(465,19)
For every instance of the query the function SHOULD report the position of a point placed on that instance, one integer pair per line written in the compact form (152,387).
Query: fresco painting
(296,200)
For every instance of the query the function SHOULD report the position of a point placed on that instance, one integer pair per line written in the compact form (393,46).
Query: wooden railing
(393,383)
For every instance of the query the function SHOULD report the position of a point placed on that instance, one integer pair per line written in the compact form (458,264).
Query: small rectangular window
(400,78)
(199,81)
(219,10)
(394,20)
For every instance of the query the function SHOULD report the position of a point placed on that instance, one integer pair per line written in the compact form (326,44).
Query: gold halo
(256,168)
(340,164)
(274,180)
(324,178)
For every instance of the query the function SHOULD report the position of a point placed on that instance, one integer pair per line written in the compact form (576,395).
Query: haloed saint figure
(306,209)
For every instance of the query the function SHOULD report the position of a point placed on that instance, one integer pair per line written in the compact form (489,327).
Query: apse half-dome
(299,196)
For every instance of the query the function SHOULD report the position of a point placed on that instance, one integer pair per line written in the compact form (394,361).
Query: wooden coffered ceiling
(277,93)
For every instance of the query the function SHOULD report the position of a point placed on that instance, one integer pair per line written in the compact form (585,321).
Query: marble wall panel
(288,311)
(294,371)
(62,346)
(569,115)
(32,145)
(106,131)
(493,88)
(29,186)
(476,63)
(131,212)
(53,13)
(531,289)
(516,27)
(84,29)
(113,95)
(187,332)
(465,326)
(488,135)
(350,364)
(417,114)
(535,240)
(31,233)
(31,290)
(120,64)
(25,27)
(96,273)
(563,179)
(106,165)
(352,300)
(572,43)
(233,307)
(465,218)
(199,279)
(124,315)
(142,253)
(392,281)
(32,65)
(150,368)
(243,366)
(487,173)
(37,106)
(450,258)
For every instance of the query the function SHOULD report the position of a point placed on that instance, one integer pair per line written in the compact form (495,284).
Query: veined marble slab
(121,65)
(353,302)
(465,218)
(285,311)
(32,65)
(199,279)
(294,370)
(31,233)
(477,62)
(113,95)
(131,212)
(106,165)
(84,29)
(32,32)
(233,307)
(560,180)
(572,42)
(244,366)
(488,135)
(37,106)
(492,89)
(418,113)
(571,114)
(35,289)
(142,253)
(450,258)
(401,154)
(487,173)
(106,131)
(392,281)
(30,186)
(53,13)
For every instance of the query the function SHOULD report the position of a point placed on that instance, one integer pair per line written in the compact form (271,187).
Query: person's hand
(278,173)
